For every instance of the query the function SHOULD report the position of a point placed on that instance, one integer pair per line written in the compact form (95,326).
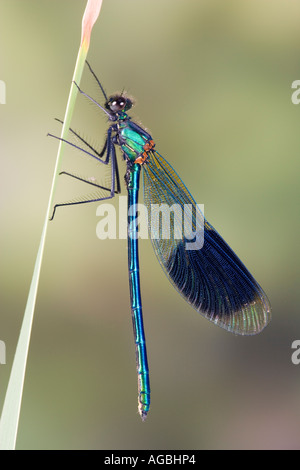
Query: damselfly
(209,276)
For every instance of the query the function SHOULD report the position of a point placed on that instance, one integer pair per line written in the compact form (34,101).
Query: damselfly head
(118,103)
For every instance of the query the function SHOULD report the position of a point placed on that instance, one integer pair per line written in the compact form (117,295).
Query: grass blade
(12,404)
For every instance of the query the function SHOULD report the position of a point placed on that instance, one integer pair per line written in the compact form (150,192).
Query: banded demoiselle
(212,279)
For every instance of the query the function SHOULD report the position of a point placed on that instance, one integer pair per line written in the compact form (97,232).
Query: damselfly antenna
(97,80)
(111,115)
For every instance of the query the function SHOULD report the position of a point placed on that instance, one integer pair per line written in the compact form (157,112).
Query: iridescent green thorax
(133,141)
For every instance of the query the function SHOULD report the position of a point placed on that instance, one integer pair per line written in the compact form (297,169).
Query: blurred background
(212,82)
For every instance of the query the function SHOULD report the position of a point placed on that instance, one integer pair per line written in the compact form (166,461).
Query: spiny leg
(88,181)
(114,175)
(99,154)
(108,138)
(109,114)
(78,202)
(117,172)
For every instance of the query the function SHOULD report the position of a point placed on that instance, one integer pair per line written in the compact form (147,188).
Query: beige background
(212,80)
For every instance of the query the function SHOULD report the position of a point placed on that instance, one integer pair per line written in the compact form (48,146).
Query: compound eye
(117,104)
